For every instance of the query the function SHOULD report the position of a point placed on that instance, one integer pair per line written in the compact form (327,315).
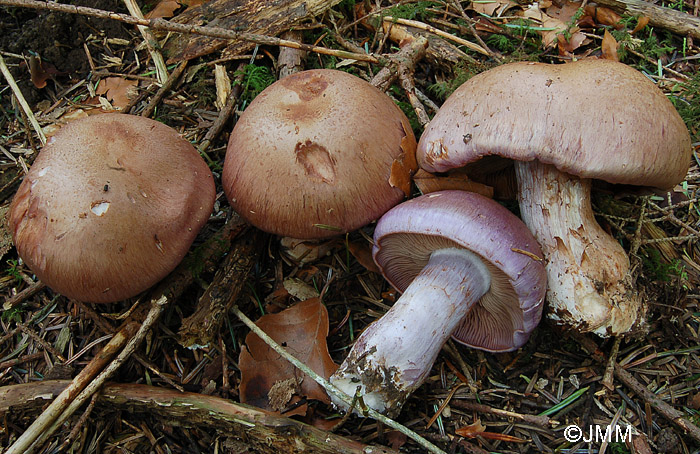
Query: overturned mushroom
(318,153)
(564,125)
(465,265)
(110,206)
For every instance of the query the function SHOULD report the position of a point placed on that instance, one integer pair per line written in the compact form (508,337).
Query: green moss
(255,79)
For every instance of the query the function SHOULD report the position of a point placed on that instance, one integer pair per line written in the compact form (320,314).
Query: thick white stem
(393,356)
(587,270)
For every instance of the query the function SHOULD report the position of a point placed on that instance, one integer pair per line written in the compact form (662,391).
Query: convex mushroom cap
(564,125)
(318,153)
(110,206)
(467,267)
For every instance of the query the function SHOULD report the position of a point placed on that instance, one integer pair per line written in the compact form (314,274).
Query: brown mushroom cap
(312,155)
(110,206)
(593,118)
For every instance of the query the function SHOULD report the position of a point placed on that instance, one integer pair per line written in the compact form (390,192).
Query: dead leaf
(302,330)
(116,90)
(641,23)
(363,254)
(405,164)
(299,289)
(427,182)
(609,47)
(694,401)
(551,27)
(164,8)
(472,430)
(41,71)
(489,7)
(478,429)
(306,251)
(606,16)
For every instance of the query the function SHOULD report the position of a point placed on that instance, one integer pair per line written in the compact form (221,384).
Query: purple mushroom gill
(467,267)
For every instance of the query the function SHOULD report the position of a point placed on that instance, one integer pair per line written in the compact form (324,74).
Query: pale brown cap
(592,118)
(318,153)
(110,206)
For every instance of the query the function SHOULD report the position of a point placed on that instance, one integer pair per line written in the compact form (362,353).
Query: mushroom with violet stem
(110,206)
(564,125)
(318,153)
(467,267)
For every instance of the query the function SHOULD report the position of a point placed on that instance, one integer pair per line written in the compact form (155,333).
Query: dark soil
(57,38)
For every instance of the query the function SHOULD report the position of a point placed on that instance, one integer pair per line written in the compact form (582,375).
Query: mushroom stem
(587,270)
(393,356)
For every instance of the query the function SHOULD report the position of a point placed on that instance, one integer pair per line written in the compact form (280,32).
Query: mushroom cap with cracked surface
(110,206)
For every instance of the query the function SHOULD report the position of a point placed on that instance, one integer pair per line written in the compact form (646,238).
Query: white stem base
(589,287)
(394,355)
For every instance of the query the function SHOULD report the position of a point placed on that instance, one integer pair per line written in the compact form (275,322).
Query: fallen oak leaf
(642,22)
(116,90)
(609,47)
(302,330)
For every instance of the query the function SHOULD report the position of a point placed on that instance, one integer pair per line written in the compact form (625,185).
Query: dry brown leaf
(557,26)
(472,430)
(694,401)
(363,254)
(405,164)
(609,47)
(478,429)
(642,22)
(606,16)
(492,7)
(116,90)
(302,330)
(427,182)
(164,8)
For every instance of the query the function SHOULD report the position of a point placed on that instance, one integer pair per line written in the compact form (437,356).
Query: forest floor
(168,393)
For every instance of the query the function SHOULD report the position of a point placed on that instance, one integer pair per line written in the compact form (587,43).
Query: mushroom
(466,266)
(110,206)
(565,125)
(318,153)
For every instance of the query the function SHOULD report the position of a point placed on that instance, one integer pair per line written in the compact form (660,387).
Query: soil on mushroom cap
(57,38)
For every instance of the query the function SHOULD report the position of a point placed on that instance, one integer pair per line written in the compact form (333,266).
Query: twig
(538,420)
(659,405)
(151,42)
(53,411)
(440,33)
(330,388)
(165,88)
(214,32)
(224,114)
(610,368)
(23,295)
(22,102)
